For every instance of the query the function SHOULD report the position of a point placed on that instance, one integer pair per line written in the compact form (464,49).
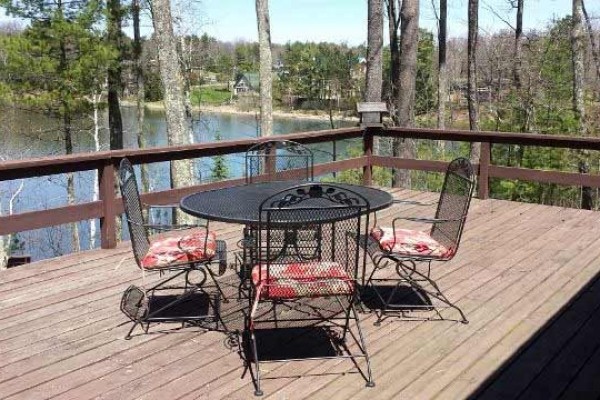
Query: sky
(345,21)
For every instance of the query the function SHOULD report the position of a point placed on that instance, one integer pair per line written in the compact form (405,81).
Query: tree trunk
(472,98)
(524,109)
(442,67)
(518,45)
(264,48)
(71,197)
(4,251)
(68,141)
(578,94)
(6,240)
(409,43)
(578,67)
(374,74)
(115,122)
(374,78)
(178,124)
(394,25)
(593,43)
(140,89)
(96,97)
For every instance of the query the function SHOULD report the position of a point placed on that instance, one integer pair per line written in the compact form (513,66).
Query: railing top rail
(529,139)
(16,169)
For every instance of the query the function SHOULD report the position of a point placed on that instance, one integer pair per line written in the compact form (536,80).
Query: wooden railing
(109,205)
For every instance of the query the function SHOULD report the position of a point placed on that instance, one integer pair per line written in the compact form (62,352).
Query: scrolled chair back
(279,160)
(453,205)
(311,232)
(133,210)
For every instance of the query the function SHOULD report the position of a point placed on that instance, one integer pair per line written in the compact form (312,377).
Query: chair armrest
(426,220)
(415,203)
(179,227)
(160,205)
(168,227)
(409,202)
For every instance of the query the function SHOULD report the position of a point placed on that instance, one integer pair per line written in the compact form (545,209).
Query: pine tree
(219,171)
(56,64)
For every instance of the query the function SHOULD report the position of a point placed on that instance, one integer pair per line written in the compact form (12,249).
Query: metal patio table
(240,204)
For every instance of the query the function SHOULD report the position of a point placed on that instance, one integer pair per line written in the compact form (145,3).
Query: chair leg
(128,336)
(257,389)
(214,279)
(411,276)
(437,294)
(363,345)
(386,303)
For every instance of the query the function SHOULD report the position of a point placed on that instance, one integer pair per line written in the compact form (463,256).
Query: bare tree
(6,240)
(578,67)
(178,123)
(115,122)
(472,99)
(595,46)
(442,64)
(95,98)
(140,90)
(374,78)
(578,94)
(518,48)
(264,48)
(393,27)
(409,43)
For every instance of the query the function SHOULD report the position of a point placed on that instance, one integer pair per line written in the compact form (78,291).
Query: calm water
(27,135)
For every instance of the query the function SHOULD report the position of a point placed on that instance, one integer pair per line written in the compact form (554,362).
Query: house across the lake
(246,83)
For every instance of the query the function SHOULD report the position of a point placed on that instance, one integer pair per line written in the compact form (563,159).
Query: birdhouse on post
(371,114)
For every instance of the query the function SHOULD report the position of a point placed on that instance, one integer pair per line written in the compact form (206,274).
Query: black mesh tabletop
(240,204)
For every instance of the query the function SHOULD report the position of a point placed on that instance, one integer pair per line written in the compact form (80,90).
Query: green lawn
(209,95)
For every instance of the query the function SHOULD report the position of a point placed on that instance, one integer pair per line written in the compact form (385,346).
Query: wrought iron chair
(179,256)
(279,160)
(294,285)
(406,250)
(271,161)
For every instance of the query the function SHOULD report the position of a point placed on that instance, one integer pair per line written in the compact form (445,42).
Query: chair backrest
(133,210)
(314,226)
(278,160)
(454,202)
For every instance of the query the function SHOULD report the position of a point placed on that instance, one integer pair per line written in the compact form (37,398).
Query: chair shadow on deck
(307,343)
(404,303)
(561,360)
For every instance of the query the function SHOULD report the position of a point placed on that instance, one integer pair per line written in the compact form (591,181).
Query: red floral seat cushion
(302,279)
(174,250)
(410,242)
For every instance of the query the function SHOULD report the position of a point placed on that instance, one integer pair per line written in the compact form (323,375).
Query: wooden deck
(526,276)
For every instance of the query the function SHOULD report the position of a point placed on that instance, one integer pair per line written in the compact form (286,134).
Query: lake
(27,135)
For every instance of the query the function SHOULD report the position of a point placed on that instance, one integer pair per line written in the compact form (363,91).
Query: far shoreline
(229,109)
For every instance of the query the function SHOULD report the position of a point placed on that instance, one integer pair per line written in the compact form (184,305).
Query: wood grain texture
(525,275)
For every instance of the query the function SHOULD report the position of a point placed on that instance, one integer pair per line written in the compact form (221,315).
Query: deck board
(525,275)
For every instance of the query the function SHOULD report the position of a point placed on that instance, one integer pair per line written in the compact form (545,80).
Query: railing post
(484,171)
(368,152)
(108,225)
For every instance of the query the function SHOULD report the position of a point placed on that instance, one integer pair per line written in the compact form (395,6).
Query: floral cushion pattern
(301,279)
(410,242)
(173,250)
